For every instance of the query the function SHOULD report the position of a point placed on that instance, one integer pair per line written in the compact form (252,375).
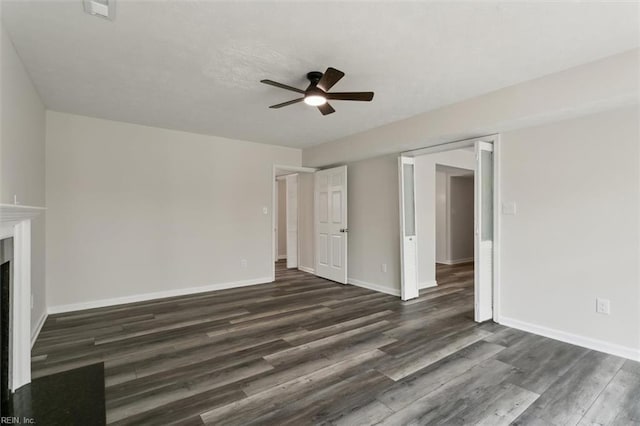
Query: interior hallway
(304,350)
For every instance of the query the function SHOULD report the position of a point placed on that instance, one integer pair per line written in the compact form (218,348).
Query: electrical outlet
(383,267)
(603,306)
(243,263)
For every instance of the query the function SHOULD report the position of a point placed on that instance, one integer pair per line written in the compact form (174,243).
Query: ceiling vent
(102,8)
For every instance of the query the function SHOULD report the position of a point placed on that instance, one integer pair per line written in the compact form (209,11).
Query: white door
(292,220)
(330,200)
(408,232)
(483,232)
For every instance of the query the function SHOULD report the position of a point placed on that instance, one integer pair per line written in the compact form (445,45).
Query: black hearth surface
(74,397)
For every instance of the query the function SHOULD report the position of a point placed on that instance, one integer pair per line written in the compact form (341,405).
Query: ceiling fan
(317,93)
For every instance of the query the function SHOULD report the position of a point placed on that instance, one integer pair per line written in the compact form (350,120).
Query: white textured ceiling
(196,65)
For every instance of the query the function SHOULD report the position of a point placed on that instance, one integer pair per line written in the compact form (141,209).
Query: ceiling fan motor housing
(314,77)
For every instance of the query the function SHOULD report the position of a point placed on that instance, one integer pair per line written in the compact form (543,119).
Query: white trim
(15,221)
(21,307)
(298,169)
(427,284)
(374,287)
(574,339)
(36,332)
(447,146)
(456,261)
(152,296)
(275,249)
(282,256)
(497,223)
(307,269)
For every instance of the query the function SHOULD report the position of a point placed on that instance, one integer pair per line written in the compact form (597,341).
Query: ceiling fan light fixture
(315,100)
(317,94)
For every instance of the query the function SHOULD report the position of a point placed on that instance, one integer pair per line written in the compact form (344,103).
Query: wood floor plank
(632,367)
(427,380)
(122,408)
(570,396)
(287,355)
(271,399)
(304,350)
(618,404)
(498,407)
(327,402)
(403,365)
(368,414)
(445,403)
(540,361)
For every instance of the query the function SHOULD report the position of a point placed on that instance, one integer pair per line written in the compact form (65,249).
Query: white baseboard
(156,295)
(456,261)
(282,257)
(36,332)
(374,287)
(574,339)
(307,269)
(427,284)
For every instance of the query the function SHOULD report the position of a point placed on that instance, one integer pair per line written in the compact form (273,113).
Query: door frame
(497,200)
(275,169)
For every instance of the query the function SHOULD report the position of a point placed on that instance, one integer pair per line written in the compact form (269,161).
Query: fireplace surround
(5,312)
(15,223)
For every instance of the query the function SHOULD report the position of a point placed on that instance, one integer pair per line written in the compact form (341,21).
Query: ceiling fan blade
(282,86)
(284,104)
(351,96)
(326,109)
(330,77)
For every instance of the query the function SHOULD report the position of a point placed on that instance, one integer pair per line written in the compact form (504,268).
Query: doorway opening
(447,220)
(292,208)
(314,214)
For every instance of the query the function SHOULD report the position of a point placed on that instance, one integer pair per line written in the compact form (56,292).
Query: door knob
(344,230)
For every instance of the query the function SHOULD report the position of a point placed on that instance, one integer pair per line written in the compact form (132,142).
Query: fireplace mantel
(14,213)
(15,222)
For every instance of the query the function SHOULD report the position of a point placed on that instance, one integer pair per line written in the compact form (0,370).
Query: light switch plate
(603,306)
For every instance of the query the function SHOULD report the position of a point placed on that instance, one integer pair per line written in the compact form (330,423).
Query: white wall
(442,240)
(461,219)
(597,86)
(575,236)
(22,159)
(374,234)
(282,218)
(136,210)
(425,170)
(306,259)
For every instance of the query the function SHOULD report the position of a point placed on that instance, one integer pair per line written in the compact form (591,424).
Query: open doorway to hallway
(447,221)
(454,222)
(292,209)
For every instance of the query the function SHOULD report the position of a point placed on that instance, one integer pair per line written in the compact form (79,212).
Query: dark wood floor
(304,350)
